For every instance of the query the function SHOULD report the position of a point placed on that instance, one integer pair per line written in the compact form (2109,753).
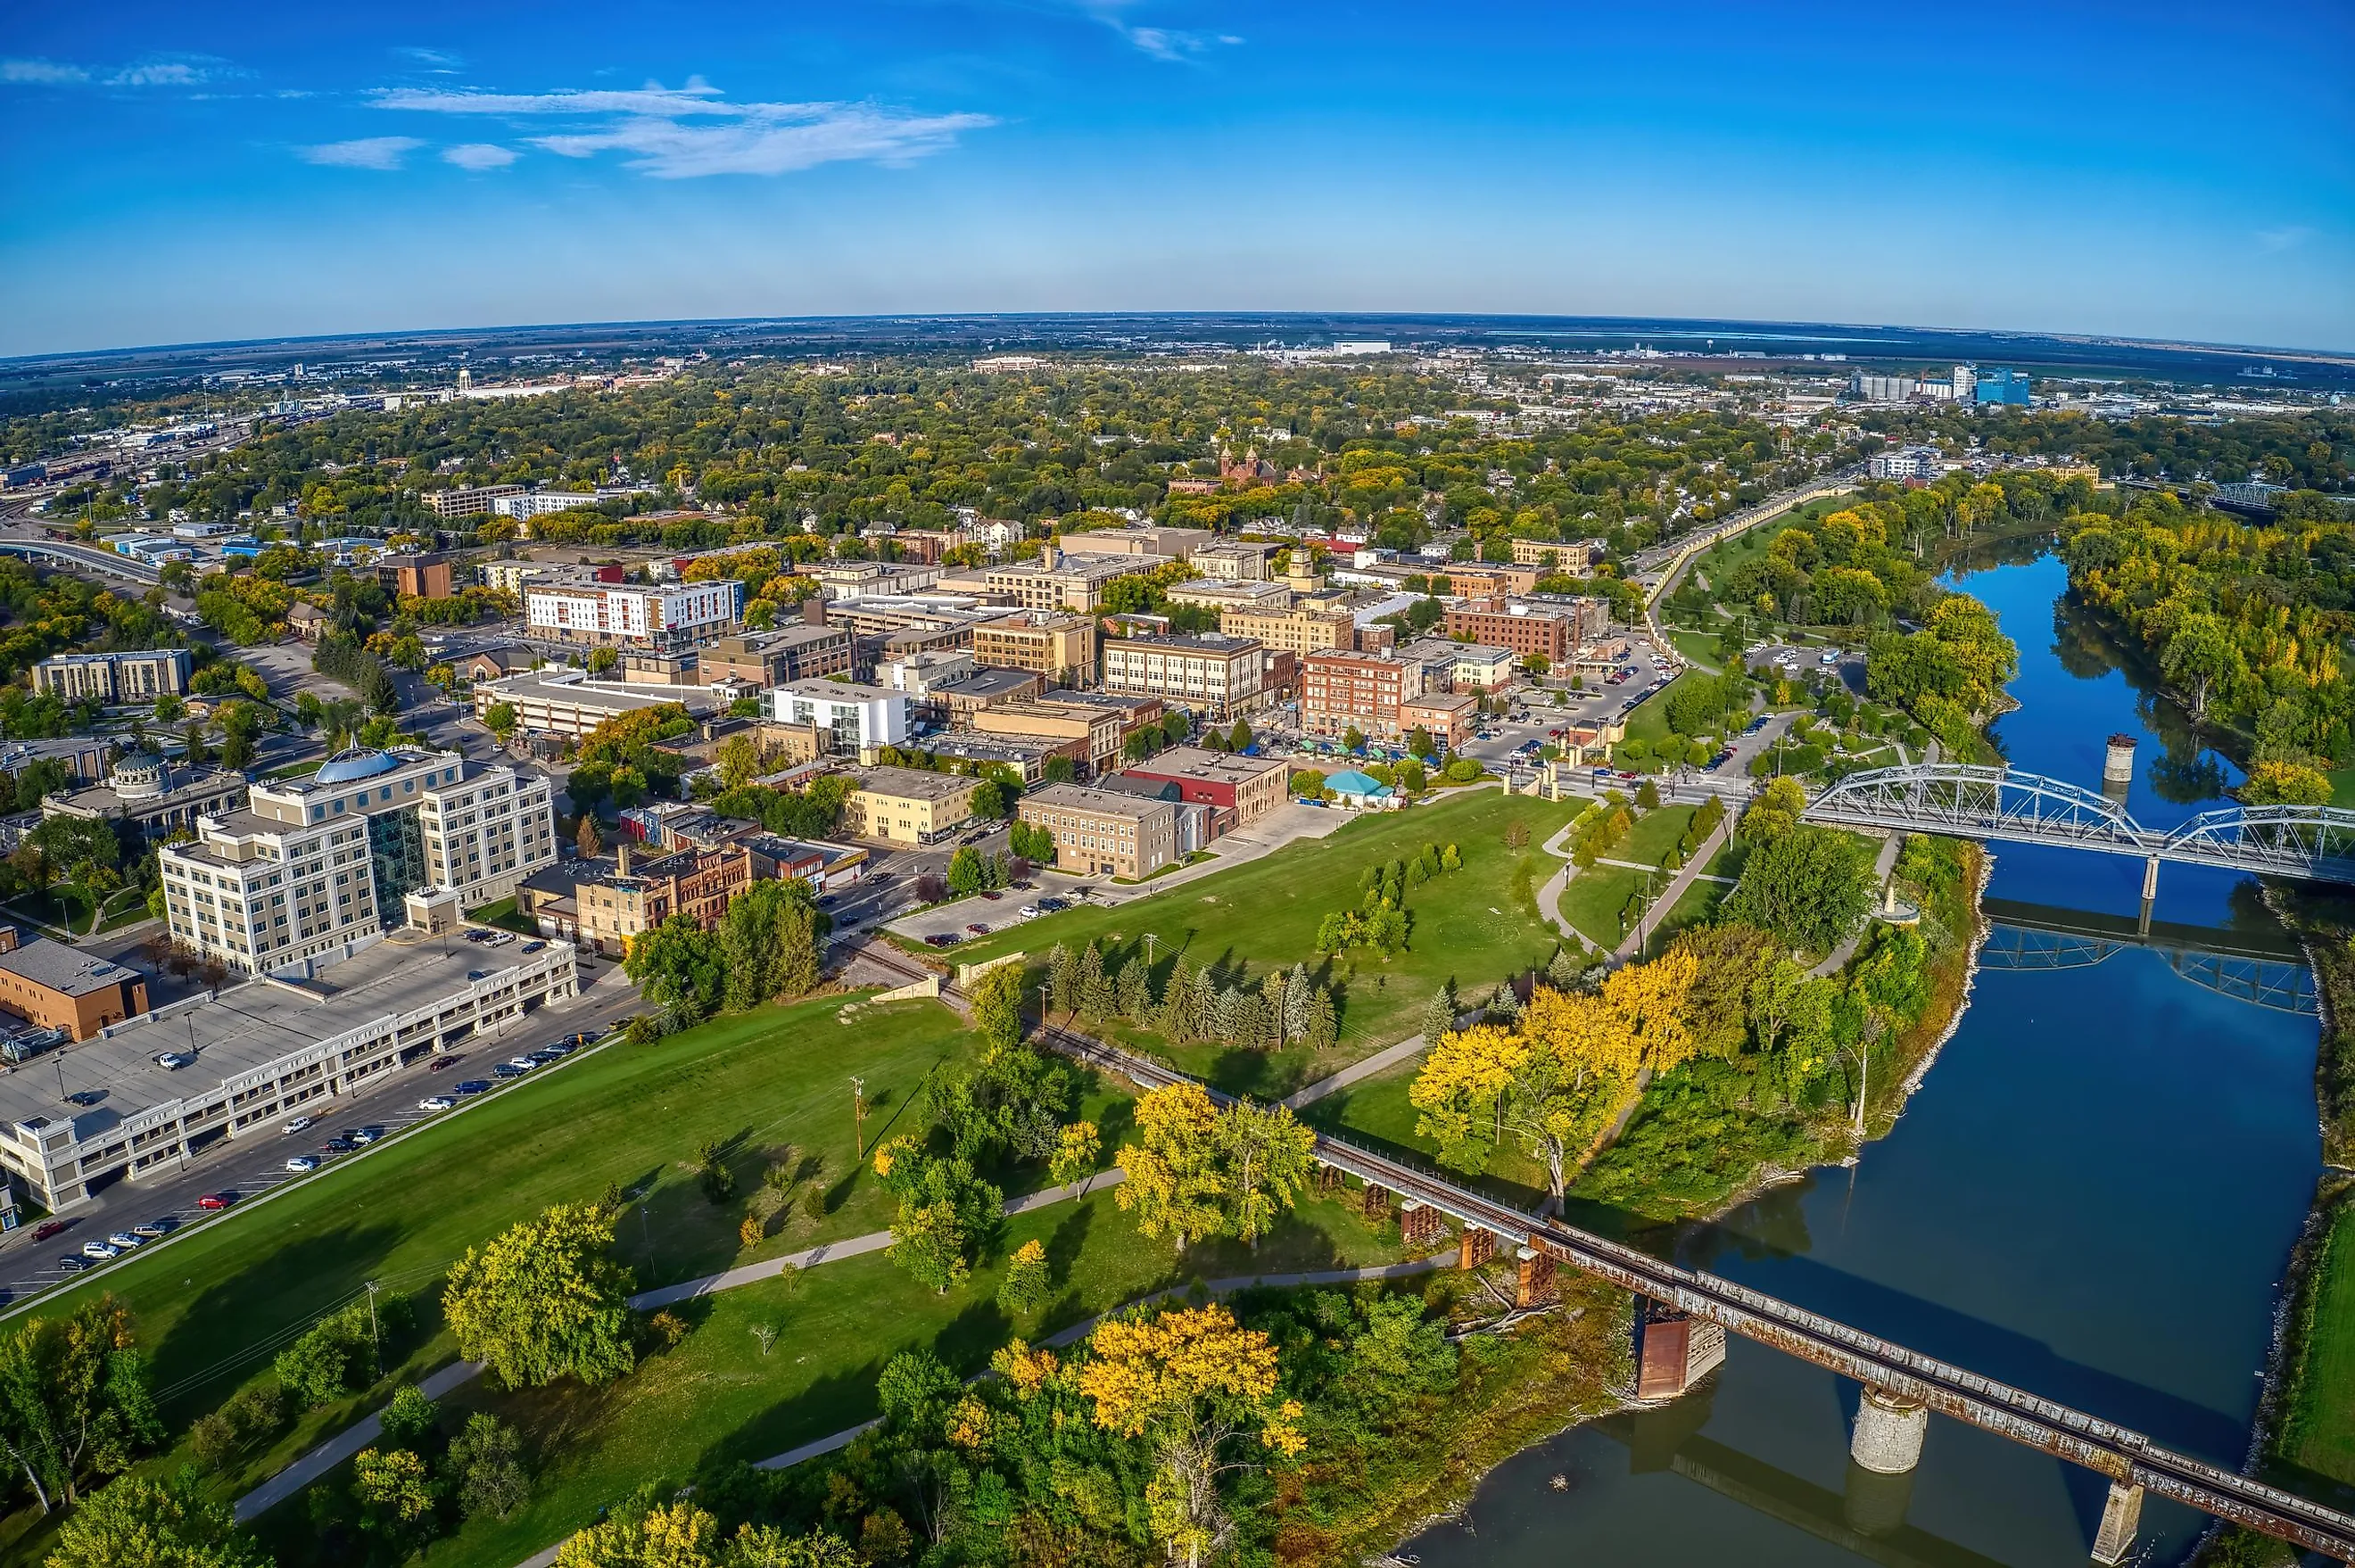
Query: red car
(48,1228)
(217,1200)
(978,930)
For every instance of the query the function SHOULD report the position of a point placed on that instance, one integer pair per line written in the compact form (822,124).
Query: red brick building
(1250,787)
(1341,691)
(1526,632)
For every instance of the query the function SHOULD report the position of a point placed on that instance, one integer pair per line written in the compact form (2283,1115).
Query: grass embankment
(213,1308)
(2313,1446)
(1474,926)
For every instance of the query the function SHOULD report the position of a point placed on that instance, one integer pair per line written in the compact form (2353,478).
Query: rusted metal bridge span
(1966,801)
(2134,1464)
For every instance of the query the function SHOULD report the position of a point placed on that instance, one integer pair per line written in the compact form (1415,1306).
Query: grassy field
(2318,1433)
(1474,926)
(1592,900)
(213,1308)
(504,913)
(717,1399)
(1697,906)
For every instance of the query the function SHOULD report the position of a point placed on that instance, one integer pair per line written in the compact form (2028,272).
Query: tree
(1196,1386)
(1175,1182)
(545,1300)
(677,965)
(1439,1013)
(1809,886)
(1268,1157)
(965,873)
(671,1535)
(484,1467)
(588,841)
(1459,1092)
(1024,1288)
(2285,783)
(1353,739)
(139,1521)
(997,1006)
(2197,656)
(1077,1148)
(1774,812)
(74,1399)
(739,760)
(769,943)
(499,719)
(767,1546)
(396,1495)
(1056,770)
(946,1213)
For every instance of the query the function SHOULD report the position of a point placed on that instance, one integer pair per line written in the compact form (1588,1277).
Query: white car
(301,1163)
(1029,912)
(301,1124)
(125,1240)
(100,1251)
(435,1103)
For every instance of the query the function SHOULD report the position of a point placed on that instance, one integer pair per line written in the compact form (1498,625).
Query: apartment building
(1574,560)
(859,718)
(779,657)
(1060,645)
(908,806)
(1296,628)
(1250,787)
(1102,831)
(1527,631)
(113,678)
(313,866)
(1341,691)
(474,501)
(672,617)
(1139,544)
(1219,676)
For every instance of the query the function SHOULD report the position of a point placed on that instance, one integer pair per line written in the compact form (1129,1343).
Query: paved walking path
(1632,946)
(342,1447)
(1380,1062)
(1884,863)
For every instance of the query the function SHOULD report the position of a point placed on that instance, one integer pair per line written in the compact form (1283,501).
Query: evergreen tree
(1062,981)
(1134,990)
(1324,1025)
(1096,990)
(1179,1020)
(1271,1010)
(1439,1013)
(1296,991)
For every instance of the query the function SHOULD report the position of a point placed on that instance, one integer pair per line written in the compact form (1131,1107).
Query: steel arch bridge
(1967,801)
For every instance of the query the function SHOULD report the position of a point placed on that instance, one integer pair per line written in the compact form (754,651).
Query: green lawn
(1376,1112)
(502,913)
(1592,900)
(2342,786)
(716,1399)
(1699,648)
(211,1309)
(1655,833)
(1698,906)
(2318,1432)
(1474,926)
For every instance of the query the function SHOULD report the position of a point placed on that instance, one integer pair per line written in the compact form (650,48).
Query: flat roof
(914,783)
(1225,646)
(987,680)
(1103,802)
(67,969)
(243,1026)
(1195,762)
(613,697)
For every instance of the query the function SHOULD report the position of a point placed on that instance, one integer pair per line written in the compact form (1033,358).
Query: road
(255,1164)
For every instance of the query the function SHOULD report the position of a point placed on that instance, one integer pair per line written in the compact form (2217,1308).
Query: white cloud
(366,153)
(2272,240)
(428,57)
(42,73)
(1175,44)
(158,73)
(687,131)
(479,156)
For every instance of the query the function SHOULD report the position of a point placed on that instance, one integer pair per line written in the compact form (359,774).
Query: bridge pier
(1874,1503)
(1477,1246)
(1420,1224)
(2149,892)
(1674,1350)
(1535,1284)
(2121,1517)
(1889,1430)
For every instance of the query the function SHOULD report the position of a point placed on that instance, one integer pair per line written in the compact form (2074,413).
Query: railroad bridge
(1689,1312)
(2004,805)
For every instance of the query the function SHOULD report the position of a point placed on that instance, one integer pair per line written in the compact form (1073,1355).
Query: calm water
(2092,1197)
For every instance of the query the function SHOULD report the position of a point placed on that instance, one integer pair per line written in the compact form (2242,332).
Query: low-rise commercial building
(1451,719)
(1573,559)
(1296,628)
(1489,579)
(908,806)
(1027,756)
(1098,733)
(263,1051)
(606,615)
(416,575)
(1068,582)
(1104,832)
(607,902)
(1250,787)
(779,657)
(1055,644)
(954,703)
(567,702)
(472,501)
(1138,544)
(52,985)
(1527,631)
(1220,677)
(313,867)
(113,678)
(1236,561)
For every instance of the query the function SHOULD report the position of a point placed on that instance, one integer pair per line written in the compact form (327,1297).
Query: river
(2091,1196)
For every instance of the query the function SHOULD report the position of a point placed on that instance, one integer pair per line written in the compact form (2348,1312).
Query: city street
(255,1164)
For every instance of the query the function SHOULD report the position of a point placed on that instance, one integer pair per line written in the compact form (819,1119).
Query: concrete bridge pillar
(2149,894)
(1888,1429)
(2121,1517)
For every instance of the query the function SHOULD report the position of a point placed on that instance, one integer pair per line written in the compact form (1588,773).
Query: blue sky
(185,173)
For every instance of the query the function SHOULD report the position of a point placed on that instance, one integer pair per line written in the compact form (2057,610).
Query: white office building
(313,867)
(860,718)
(670,617)
(540,503)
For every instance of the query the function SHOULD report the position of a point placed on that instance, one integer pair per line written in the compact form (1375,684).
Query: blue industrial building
(2002,387)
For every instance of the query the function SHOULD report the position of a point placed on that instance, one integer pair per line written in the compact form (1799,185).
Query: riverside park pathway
(344,1445)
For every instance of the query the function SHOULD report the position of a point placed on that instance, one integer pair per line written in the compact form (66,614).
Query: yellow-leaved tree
(1267,1155)
(1198,1387)
(1460,1093)
(1175,1183)
(543,1300)
(1578,1059)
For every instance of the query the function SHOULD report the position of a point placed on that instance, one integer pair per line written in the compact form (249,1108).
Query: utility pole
(376,1335)
(858,1116)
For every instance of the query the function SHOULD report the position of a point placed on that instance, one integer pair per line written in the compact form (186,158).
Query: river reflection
(2093,1196)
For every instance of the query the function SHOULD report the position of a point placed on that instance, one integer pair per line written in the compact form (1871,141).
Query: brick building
(1341,691)
(1546,634)
(1250,787)
(1107,832)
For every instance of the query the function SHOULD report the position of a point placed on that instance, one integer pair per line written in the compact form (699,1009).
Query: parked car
(155,1229)
(545,1055)
(338,1145)
(978,929)
(533,947)
(442,1061)
(173,1060)
(48,1228)
(100,1251)
(125,1240)
(507,1069)
(220,1200)
(1029,912)
(300,1124)
(992,894)
(522,1063)
(300,1163)
(87,1097)
(435,1103)
(73,1265)
(942,939)
(474,1086)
